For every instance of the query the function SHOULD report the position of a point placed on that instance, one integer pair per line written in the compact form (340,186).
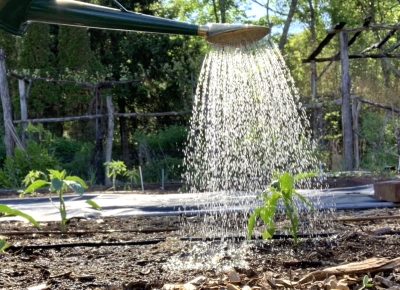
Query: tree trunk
(283,39)
(347,127)
(315,111)
(222,8)
(215,11)
(6,104)
(110,134)
(385,120)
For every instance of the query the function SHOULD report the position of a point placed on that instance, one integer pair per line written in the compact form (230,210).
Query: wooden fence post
(347,127)
(6,104)
(24,109)
(356,108)
(110,134)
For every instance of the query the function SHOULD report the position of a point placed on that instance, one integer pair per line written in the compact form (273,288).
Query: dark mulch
(167,259)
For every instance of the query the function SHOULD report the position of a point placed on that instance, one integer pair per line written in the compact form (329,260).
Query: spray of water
(247,124)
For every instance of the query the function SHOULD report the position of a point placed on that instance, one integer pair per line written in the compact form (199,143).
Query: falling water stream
(247,123)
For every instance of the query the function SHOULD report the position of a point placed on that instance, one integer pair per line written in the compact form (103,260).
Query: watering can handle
(120,6)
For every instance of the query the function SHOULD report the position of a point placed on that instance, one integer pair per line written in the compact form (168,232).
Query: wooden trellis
(350,112)
(11,137)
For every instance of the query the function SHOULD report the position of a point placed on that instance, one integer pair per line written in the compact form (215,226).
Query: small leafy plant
(366,283)
(59,183)
(281,189)
(113,169)
(133,176)
(30,178)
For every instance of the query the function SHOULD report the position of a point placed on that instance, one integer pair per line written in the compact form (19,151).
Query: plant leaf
(55,173)
(35,185)
(7,210)
(75,186)
(93,204)
(304,175)
(303,199)
(287,182)
(56,183)
(252,221)
(77,179)
(267,212)
(3,245)
(268,233)
(365,280)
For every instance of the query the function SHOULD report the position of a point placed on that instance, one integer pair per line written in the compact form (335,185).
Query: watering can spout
(16,15)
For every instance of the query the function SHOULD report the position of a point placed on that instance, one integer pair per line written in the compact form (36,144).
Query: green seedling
(30,178)
(3,245)
(59,183)
(281,189)
(133,176)
(113,169)
(366,283)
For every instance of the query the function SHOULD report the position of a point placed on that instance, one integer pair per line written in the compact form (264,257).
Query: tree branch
(98,116)
(362,28)
(100,84)
(354,56)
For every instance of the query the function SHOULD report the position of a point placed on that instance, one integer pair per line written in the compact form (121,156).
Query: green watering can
(16,15)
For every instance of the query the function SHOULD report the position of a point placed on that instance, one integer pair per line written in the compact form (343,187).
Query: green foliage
(73,156)
(36,157)
(37,58)
(280,189)
(172,166)
(3,153)
(59,182)
(166,139)
(162,150)
(9,45)
(203,12)
(372,151)
(113,168)
(74,48)
(10,211)
(38,133)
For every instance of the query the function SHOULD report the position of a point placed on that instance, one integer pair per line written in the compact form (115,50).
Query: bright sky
(256,10)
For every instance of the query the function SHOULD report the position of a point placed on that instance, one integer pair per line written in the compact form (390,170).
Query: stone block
(387,191)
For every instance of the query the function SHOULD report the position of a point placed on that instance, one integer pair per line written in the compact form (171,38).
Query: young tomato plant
(59,183)
(281,189)
(30,178)
(114,168)
(133,176)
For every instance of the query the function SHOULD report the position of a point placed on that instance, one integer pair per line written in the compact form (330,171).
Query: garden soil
(164,253)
